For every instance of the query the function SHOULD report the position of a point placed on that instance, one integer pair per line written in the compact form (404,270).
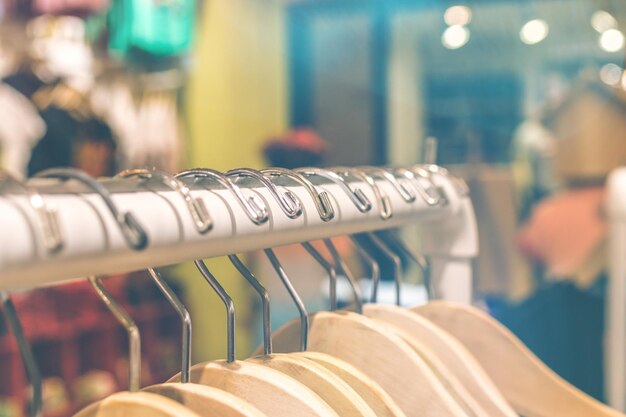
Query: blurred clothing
(566,232)
(20,130)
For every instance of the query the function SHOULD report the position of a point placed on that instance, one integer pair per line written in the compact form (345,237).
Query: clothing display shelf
(92,243)
(615,362)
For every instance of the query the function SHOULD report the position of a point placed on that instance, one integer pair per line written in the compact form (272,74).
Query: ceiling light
(611,40)
(455,37)
(457,15)
(611,74)
(534,31)
(602,21)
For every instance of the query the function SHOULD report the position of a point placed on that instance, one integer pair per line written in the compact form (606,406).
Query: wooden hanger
(268,390)
(528,384)
(136,404)
(377,399)
(450,353)
(380,354)
(205,401)
(445,355)
(328,386)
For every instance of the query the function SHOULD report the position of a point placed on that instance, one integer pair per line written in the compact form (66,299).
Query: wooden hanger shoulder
(380,354)
(450,352)
(204,400)
(330,388)
(377,399)
(136,404)
(527,383)
(270,391)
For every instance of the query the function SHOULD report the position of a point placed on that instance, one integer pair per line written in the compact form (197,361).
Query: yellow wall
(236,97)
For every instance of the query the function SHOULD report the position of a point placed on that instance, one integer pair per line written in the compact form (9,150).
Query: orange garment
(565,231)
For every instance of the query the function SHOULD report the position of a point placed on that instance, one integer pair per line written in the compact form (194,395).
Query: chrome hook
(304,315)
(321,199)
(46,216)
(382,173)
(343,268)
(28,359)
(360,200)
(185,318)
(265,302)
(373,265)
(197,208)
(330,270)
(421,261)
(132,231)
(134,339)
(228,303)
(384,203)
(423,184)
(287,201)
(252,206)
(397,264)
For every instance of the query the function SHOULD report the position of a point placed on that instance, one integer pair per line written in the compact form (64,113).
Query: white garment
(21,128)
(148,132)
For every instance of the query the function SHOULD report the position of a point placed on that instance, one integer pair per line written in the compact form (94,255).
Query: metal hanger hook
(228,303)
(397,264)
(330,270)
(46,216)
(357,196)
(132,231)
(197,208)
(265,302)
(185,318)
(406,194)
(372,264)
(134,339)
(253,206)
(321,199)
(288,202)
(384,203)
(304,315)
(423,184)
(26,353)
(343,268)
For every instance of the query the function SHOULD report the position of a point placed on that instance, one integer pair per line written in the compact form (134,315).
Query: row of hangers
(434,360)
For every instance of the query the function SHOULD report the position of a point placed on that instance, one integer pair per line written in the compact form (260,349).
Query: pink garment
(564,230)
(64,6)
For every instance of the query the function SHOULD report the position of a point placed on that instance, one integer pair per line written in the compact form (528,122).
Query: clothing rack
(615,362)
(93,244)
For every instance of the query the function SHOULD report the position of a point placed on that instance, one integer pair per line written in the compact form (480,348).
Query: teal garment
(159,27)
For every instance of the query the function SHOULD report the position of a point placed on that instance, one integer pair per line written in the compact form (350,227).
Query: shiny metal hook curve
(132,231)
(397,264)
(265,302)
(26,353)
(330,270)
(46,216)
(198,210)
(321,199)
(343,268)
(373,266)
(252,206)
(384,203)
(423,183)
(382,173)
(288,202)
(421,261)
(134,339)
(185,319)
(228,303)
(304,315)
(360,200)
